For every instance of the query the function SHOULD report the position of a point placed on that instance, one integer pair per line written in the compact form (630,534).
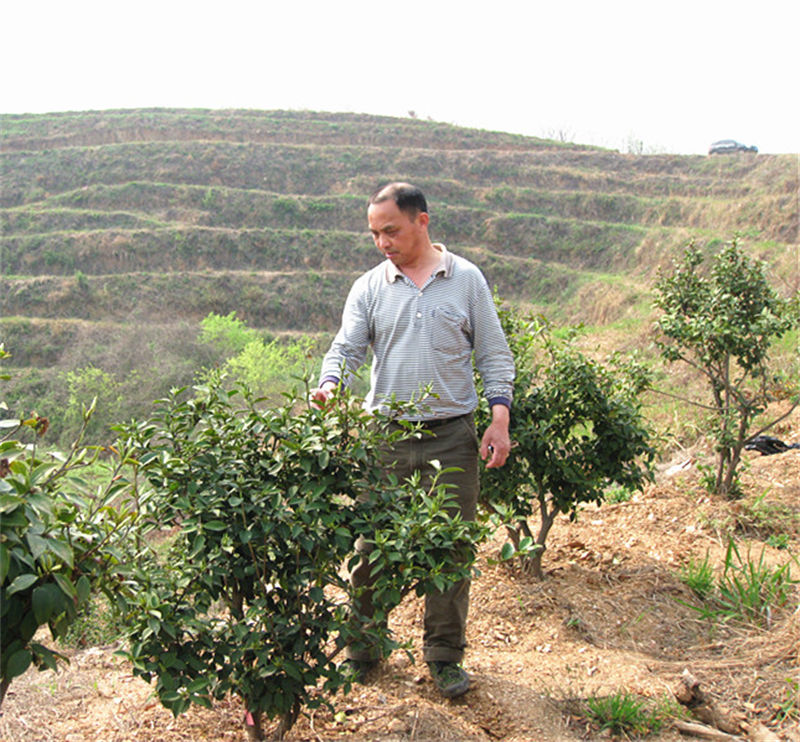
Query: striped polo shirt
(424,336)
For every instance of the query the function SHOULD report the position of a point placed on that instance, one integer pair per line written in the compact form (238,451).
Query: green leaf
(65,585)
(170,629)
(5,562)
(203,701)
(17,663)
(45,655)
(292,671)
(27,627)
(215,525)
(15,519)
(197,546)
(37,544)
(507,551)
(62,550)
(9,503)
(198,685)
(23,582)
(83,588)
(46,602)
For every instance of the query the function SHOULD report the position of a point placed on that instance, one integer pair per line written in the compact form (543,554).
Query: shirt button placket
(418,308)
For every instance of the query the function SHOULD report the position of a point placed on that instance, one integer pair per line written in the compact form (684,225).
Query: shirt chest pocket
(450,331)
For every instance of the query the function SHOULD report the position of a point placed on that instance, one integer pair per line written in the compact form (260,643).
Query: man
(424,312)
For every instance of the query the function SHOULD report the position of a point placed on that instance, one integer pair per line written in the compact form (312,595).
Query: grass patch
(764,518)
(789,706)
(624,713)
(748,591)
(698,576)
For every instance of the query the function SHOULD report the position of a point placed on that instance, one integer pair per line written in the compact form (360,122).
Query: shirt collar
(445,267)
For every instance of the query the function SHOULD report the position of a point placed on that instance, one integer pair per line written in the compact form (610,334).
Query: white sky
(674,76)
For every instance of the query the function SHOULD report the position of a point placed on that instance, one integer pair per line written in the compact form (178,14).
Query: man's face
(401,239)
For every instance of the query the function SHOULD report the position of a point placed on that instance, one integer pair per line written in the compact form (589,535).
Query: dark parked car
(727,146)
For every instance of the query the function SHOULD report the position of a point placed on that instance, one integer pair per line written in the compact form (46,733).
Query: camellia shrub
(60,540)
(260,509)
(577,429)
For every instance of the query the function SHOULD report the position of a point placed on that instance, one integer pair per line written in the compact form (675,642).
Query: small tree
(59,540)
(267,367)
(721,322)
(577,429)
(263,507)
(228,335)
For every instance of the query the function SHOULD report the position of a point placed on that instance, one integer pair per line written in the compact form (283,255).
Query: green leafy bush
(91,383)
(228,335)
(617,494)
(577,429)
(267,367)
(58,541)
(721,322)
(271,368)
(263,507)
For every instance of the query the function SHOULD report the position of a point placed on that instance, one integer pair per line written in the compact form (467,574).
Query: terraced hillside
(121,230)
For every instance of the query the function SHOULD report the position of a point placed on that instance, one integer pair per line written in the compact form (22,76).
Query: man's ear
(423,218)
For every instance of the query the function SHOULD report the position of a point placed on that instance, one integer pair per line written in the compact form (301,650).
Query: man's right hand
(320,396)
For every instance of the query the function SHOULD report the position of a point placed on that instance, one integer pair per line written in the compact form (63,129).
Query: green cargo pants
(454,443)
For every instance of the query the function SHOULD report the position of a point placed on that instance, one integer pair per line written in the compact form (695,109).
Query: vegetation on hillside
(145,251)
(122,230)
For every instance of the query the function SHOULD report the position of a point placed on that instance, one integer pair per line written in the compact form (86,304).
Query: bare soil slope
(610,616)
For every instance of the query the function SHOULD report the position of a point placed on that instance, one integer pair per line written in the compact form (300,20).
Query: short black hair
(409,198)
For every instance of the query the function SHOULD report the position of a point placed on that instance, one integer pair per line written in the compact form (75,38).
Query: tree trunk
(252,722)
(255,731)
(513,533)
(534,562)
(288,720)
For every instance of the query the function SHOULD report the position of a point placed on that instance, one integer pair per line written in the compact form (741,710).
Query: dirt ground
(606,619)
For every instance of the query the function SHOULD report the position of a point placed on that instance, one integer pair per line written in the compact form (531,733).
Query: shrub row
(294,168)
(295,301)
